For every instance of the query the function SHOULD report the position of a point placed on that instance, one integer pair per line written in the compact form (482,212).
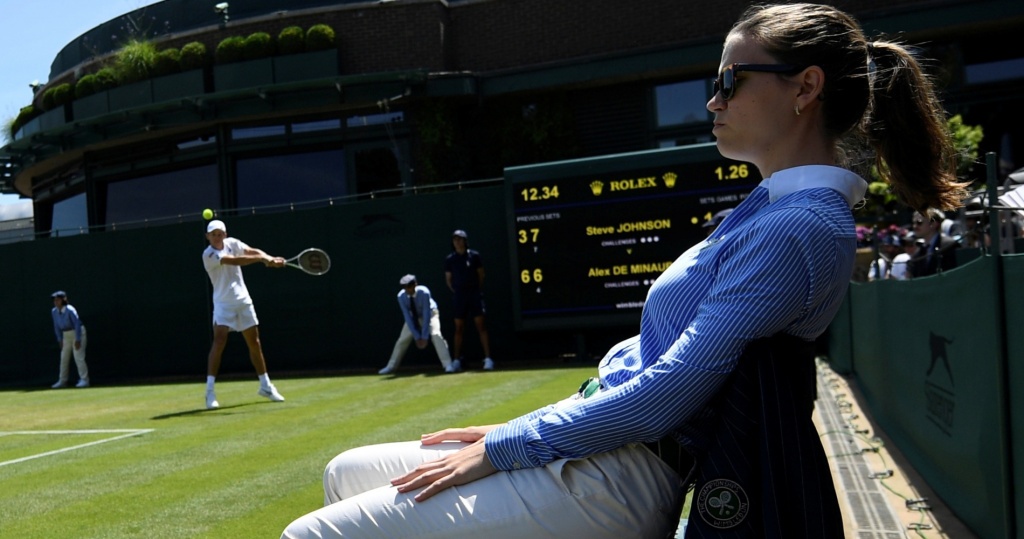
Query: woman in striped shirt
(722,366)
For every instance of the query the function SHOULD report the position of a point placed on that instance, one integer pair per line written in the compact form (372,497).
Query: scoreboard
(588,237)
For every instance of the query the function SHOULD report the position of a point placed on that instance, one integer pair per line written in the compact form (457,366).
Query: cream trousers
(625,493)
(405,339)
(67,349)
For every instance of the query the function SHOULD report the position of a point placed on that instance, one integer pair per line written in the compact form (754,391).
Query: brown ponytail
(906,126)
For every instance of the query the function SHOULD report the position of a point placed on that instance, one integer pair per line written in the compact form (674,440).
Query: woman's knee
(304,527)
(342,475)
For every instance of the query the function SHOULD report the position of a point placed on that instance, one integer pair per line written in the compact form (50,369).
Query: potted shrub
(193,56)
(86,86)
(319,37)
(25,116)
(133,66)
(167,62)
(258,45)
(229,50)
(134,61)
(62,94)
(25,123)
(170,82)
(291,40)
(107,78)
(54,100)
(91,94)
(47,101)
(240,64)
(319,61)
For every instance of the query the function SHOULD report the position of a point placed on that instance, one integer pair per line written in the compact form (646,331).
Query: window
(375,119)
(681,103)
(995,71)
(70,216)
(205,140)
(283,179)
(161,196)
(241,133)
(321,125)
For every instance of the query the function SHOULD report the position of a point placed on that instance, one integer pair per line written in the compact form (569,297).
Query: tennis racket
(312,261)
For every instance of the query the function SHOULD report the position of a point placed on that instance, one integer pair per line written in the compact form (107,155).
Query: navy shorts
(469,305)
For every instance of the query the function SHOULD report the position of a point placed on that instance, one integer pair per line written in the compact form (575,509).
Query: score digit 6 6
(528,276)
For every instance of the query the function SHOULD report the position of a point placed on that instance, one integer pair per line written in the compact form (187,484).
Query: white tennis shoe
(488,364)
(211,400)
(386,370)
(271,393)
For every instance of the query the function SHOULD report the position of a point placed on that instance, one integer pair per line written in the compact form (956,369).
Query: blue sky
(33,33)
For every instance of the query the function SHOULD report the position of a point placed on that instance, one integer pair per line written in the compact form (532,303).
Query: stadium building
(414,93)
(373,129)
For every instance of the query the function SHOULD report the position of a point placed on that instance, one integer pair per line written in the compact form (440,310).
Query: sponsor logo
(939,395)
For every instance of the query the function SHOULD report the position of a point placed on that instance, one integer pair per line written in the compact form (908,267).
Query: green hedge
(167,62)
(230,50)
(57,96)
(258,45)
(319,37)
(140,60)
(25,115)
(193,56)
(291,40)
(104,79)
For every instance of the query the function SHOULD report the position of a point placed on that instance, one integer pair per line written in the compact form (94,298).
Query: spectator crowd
(930,244)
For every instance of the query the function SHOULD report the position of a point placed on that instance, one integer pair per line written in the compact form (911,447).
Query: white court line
(128,433)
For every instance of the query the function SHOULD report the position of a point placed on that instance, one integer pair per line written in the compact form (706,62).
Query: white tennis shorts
(235,317)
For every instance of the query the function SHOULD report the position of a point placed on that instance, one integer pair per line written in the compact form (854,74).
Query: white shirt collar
(791,180)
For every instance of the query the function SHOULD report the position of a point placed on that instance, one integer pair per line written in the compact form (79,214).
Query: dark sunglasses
(726,82)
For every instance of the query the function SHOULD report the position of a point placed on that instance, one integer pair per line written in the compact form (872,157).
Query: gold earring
(796,109)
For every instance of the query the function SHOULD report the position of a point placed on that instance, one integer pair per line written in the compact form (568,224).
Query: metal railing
(27,234)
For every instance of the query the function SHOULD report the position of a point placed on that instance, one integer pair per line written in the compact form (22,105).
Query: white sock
(209,382)
(265,380)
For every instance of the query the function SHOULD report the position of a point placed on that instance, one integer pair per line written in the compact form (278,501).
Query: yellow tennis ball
(207,214)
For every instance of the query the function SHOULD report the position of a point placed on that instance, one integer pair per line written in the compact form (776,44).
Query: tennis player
(723,367)
(232,306)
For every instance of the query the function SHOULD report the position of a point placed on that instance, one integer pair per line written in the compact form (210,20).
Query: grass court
(150,461)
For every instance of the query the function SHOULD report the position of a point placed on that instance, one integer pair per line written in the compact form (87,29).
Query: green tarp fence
(938,361)
(145,297)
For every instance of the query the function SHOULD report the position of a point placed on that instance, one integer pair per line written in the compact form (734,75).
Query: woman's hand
(459,468)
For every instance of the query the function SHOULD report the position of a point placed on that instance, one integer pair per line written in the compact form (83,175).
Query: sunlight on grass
(245,470)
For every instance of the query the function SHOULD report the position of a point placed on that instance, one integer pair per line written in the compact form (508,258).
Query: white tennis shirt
(228,285)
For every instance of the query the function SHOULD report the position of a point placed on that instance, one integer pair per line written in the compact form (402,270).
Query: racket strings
(315,262)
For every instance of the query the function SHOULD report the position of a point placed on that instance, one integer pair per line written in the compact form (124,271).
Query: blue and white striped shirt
(781,262)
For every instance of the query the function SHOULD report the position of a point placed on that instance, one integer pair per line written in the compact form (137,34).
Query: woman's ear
(812,86)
